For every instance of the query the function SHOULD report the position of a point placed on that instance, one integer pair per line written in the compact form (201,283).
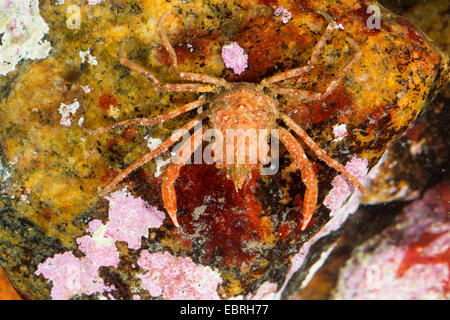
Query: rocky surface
(409,260)
(415,162)
(245,244)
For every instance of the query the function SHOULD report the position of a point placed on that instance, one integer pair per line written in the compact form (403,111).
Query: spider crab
(238,105)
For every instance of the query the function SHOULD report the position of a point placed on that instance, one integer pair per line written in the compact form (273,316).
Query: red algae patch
(177,278)
(221,219)
(106,101)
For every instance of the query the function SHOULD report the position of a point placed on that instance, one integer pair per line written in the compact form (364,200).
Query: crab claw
(173,216)
(169,194)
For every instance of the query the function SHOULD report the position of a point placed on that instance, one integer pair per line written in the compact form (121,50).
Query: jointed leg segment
(171,174)
(310,96)
(321,154)
(208,83)
(174,87)
(308,176)
(149,156)
(155,120)
(196,77)
(303,164)
(298,72)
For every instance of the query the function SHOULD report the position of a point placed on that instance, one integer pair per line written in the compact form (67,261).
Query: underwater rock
(417,159)
(420,156)
(409,260)
(243,241)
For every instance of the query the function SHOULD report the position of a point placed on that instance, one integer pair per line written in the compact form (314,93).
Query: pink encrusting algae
(285,14)
(340,131)
(339,216)
(98,248)
(71,276)
(342,188)
(130,218)
(234,57)
(177,278)
(267,291)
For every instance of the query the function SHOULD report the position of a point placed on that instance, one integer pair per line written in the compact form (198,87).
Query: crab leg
(155,120)
(321,154)
(298,72)
(149,156)
(175,87)
(309,96)
(346,69)
(196,77)
(308,176)
(171,174)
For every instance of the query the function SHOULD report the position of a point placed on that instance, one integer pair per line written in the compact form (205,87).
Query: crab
(238,105)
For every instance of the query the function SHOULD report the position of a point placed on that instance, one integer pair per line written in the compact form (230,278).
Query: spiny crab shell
(244,107)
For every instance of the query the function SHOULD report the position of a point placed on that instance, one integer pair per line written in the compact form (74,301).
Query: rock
(243,242)
(416,160)
(408,260)
(419,157)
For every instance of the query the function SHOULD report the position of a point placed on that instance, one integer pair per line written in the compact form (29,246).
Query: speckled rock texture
(415,162)
(409,260)
(420,156)
(59,239)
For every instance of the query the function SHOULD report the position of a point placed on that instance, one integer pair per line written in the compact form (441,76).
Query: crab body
(236,111)
(244,115)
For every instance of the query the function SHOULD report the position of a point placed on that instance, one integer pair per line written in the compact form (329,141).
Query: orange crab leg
(321,154)
(196,77)
(298,72)
(346,69)
(175,87)
(171,174)
(155,120)
(308,176)
(149,156)
(309,96)
(299,94)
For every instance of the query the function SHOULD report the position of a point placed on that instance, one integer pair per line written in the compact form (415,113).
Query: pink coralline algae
(130,218)
(98,248)
(284,13)
(94,2)
(177,278)
(340,131)
(410,260)
(71,276)
(267,291)
(342,188)
(339,217)
(234,57)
